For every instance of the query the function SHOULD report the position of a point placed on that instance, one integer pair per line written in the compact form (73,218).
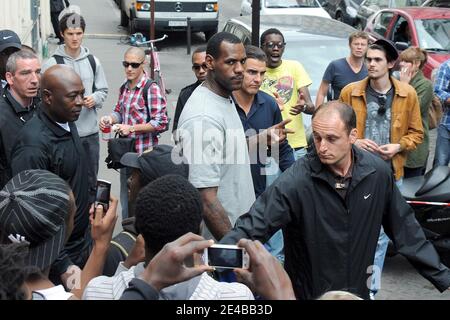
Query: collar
(359,89)
(361,166)
(258,100)
(17,107)
(141,82)
(53,125)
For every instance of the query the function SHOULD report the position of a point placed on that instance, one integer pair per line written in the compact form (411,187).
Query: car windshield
(433,34)
(291,4)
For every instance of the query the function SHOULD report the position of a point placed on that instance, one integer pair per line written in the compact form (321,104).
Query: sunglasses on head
(272,45)
(382,102)
(197,67)
(134,65)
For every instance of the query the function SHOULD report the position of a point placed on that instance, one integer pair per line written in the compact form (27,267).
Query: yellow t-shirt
(286,80)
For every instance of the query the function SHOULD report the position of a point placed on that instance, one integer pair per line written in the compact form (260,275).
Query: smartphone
(226,256)
(103,193)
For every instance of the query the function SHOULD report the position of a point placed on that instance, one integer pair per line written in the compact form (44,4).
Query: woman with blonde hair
(412,61)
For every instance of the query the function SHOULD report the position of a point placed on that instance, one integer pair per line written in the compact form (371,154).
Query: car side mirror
(401,46)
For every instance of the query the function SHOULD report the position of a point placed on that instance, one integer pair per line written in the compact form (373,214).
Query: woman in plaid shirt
(133,117)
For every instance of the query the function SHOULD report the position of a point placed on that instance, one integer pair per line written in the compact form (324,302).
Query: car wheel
(210,33)
(339,17)
(123,19)
(359,26)
(132,26)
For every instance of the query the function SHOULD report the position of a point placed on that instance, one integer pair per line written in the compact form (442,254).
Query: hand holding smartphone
(103,194)
(226,257)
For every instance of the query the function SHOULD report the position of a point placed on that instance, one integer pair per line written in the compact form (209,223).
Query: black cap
(157,162)
(9,39)
(391,50)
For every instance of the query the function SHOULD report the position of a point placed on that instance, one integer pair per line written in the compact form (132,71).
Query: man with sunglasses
(388,120)
(136,115)
(200,69)
(288,81)
(9,43)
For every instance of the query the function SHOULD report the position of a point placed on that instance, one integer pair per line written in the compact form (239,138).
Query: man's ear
(9,78)
(209,60)
(391,64)
(353,135)
(47,96)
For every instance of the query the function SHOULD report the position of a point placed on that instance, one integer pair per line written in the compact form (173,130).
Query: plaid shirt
(442,89)
(130,109)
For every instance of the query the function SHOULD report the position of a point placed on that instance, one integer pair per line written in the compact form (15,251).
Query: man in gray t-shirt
(212,139)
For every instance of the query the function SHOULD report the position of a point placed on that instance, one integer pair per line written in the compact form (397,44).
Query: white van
(171,15)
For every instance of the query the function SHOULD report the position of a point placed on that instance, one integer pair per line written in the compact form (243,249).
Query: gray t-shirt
(212,139)
(378,121)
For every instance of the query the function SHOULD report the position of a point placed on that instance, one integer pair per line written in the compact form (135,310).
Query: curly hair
(13,272)
(166,209)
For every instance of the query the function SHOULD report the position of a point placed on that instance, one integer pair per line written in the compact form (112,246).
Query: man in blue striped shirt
(442,90)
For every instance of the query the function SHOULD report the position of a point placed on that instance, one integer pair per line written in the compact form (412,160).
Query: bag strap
(60,60)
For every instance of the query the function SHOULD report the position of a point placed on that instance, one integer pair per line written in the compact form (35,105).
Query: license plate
(177,23)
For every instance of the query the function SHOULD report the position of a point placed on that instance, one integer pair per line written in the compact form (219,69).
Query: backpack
(60,60)
(145,94)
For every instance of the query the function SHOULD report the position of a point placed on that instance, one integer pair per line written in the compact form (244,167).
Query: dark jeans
(91,146)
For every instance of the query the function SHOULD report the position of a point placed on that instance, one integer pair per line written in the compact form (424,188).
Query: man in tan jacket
(387,119)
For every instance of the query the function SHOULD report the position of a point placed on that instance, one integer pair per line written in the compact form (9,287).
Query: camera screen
(103,193)
(221,257)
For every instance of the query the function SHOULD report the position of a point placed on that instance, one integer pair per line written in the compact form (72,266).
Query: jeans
(91,145)
(380,254)
(442,152)
(125,173)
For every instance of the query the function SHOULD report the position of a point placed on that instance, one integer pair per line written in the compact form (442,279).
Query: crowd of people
(315,215)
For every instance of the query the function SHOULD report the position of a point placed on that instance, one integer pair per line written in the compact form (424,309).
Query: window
(382,22)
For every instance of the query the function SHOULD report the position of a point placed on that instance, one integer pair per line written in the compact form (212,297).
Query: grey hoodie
(87,123)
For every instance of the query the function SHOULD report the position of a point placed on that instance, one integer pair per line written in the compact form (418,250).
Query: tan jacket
(406,123)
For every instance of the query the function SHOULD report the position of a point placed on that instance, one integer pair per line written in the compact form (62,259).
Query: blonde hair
(414,54)
(338,295)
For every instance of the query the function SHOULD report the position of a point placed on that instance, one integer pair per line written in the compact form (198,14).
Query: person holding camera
(166,209)
(140,113)
(442,90)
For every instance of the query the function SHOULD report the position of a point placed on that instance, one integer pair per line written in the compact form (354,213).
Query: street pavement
(399,281)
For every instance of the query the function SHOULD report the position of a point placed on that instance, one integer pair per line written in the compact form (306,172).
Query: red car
(424,27)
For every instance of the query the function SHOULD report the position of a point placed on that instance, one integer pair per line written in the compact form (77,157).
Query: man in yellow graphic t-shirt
(288,82)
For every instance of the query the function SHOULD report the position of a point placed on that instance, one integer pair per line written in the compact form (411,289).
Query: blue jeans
(380,254)
(125,173)
(442,151)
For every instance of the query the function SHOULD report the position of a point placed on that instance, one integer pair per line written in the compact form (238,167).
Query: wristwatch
(132,130)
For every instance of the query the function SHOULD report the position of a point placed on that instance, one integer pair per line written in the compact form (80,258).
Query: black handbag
(117,147)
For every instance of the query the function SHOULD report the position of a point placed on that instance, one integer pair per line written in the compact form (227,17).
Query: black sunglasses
(382,99)
(197,67)
(272,45)
(134,65)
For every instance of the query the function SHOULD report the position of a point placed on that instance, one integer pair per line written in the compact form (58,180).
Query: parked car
(171,15)
(437,3)
(342,10)
(269,7)
(369,7)
(313,41)
(427,28)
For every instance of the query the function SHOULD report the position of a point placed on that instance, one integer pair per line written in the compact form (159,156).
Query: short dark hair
(254,52)
(267,32)
(213,46)
(72,20)
(199,50)
(166,209)
(375,46)
(346,113)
